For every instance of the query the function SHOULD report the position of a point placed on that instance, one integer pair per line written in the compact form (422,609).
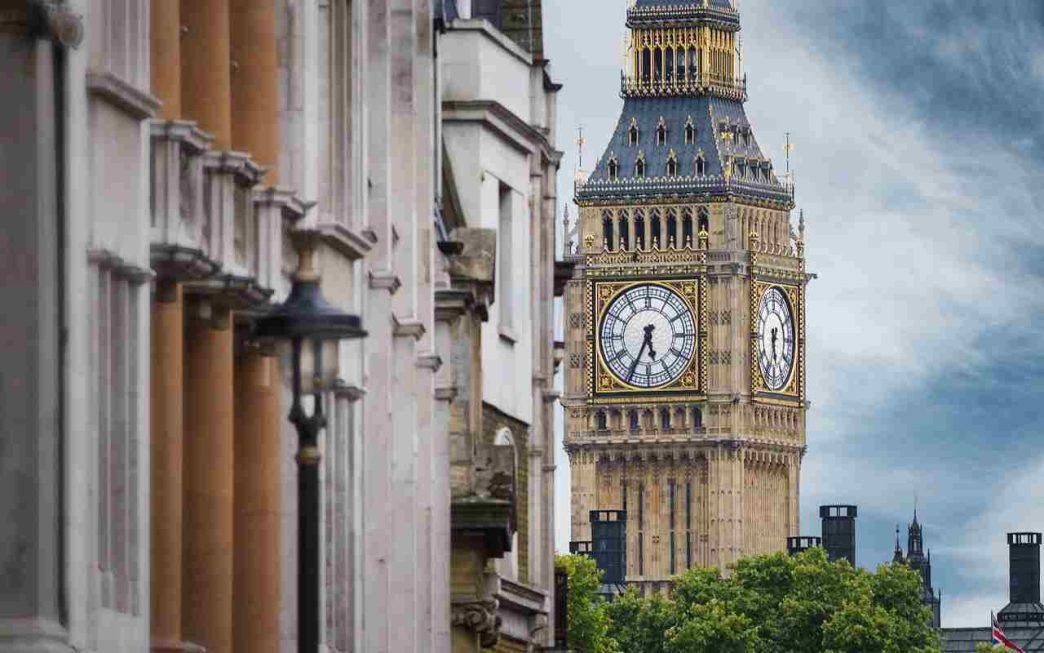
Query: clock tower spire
(685,314)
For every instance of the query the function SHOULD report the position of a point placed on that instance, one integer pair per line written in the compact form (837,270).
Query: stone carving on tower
(685,312)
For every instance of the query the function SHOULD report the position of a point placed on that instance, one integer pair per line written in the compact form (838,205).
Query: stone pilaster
(166,414)
(259,416)
(207,575)
(31,396)
(255,83)
(206,68)
(165,55)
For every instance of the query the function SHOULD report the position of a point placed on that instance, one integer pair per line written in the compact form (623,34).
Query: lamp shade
(307,315)
(313,325)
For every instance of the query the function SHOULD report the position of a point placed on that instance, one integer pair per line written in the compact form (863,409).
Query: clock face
(775,338)
(648,336)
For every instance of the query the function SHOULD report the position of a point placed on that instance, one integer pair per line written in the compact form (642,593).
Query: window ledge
(122,94)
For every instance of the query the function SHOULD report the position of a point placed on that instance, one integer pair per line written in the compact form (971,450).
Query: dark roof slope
(709,115)
(718,4)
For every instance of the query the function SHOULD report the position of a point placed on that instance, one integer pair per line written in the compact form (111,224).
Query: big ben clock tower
(685,312)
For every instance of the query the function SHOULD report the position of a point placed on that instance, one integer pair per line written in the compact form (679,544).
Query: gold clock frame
(793,391)
(603,383)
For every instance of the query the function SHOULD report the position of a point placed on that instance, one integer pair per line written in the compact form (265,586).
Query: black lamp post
(312,327)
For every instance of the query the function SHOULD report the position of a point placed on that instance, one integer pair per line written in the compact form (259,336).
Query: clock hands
(646,342)
(775,337)
(648,338)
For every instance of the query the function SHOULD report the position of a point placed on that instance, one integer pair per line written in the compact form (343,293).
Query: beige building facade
(685,312)
(164,162)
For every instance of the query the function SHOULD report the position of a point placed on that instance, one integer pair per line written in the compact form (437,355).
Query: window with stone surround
(505,252)
(117,411)
(118,40)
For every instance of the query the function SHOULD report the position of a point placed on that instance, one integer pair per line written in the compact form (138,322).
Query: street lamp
(312,328)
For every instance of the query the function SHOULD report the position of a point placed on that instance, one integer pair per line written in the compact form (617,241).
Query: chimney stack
(796,545)
(1024,566)
(839,532)
(609,544)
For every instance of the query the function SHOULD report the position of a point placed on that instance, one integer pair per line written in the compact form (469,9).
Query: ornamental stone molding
(479,616)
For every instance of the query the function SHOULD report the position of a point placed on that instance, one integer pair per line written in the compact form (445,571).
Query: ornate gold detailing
(691,380)
(309,456)
(794,389)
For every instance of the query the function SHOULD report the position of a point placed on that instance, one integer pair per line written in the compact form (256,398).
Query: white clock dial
(775,338)
(648,336)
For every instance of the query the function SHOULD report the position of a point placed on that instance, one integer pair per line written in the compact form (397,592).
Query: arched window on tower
(672,229)
(600,421)
(672,164)
(657,65)
(668,65)
(613,168)
(661,132)
(646,65)
(690,132)
(639,229)
(687,229)
(655,228)
(679,61)
(701,165)
(624,230)
(632,132)
(694,64)
(665,418)
(633,418)
(704,218)
(607,230)
(697,418)
(639,167)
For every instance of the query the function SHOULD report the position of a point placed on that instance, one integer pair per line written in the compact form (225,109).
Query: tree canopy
(768,604)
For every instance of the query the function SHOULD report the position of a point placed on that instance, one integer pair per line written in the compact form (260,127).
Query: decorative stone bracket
(479,616)
(474,265)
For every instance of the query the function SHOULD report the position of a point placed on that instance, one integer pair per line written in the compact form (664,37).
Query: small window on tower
(632,133)
(665,418)
(701,166)
(661,133)
(697,418)
(600,421)
(633,416)
(690,133)
(614,168)
(639,167)
(672,165)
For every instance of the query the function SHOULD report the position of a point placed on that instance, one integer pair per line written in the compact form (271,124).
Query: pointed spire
(897,556)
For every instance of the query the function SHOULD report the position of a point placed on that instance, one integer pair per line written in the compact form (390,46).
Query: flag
(999,639)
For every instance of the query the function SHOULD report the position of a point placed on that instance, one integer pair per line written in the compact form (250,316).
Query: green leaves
(589,623)
(768,604)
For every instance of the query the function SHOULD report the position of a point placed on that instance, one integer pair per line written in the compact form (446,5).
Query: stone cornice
(350,243)
(526,138)
(123,95)
(385,280)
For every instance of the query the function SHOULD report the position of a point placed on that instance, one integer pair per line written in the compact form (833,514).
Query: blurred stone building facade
(158,157)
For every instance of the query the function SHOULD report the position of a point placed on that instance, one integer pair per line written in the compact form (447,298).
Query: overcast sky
(919,127)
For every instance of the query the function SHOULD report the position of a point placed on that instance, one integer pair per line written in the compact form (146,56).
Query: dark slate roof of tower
(720,13)
(709,114)
(719,4)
